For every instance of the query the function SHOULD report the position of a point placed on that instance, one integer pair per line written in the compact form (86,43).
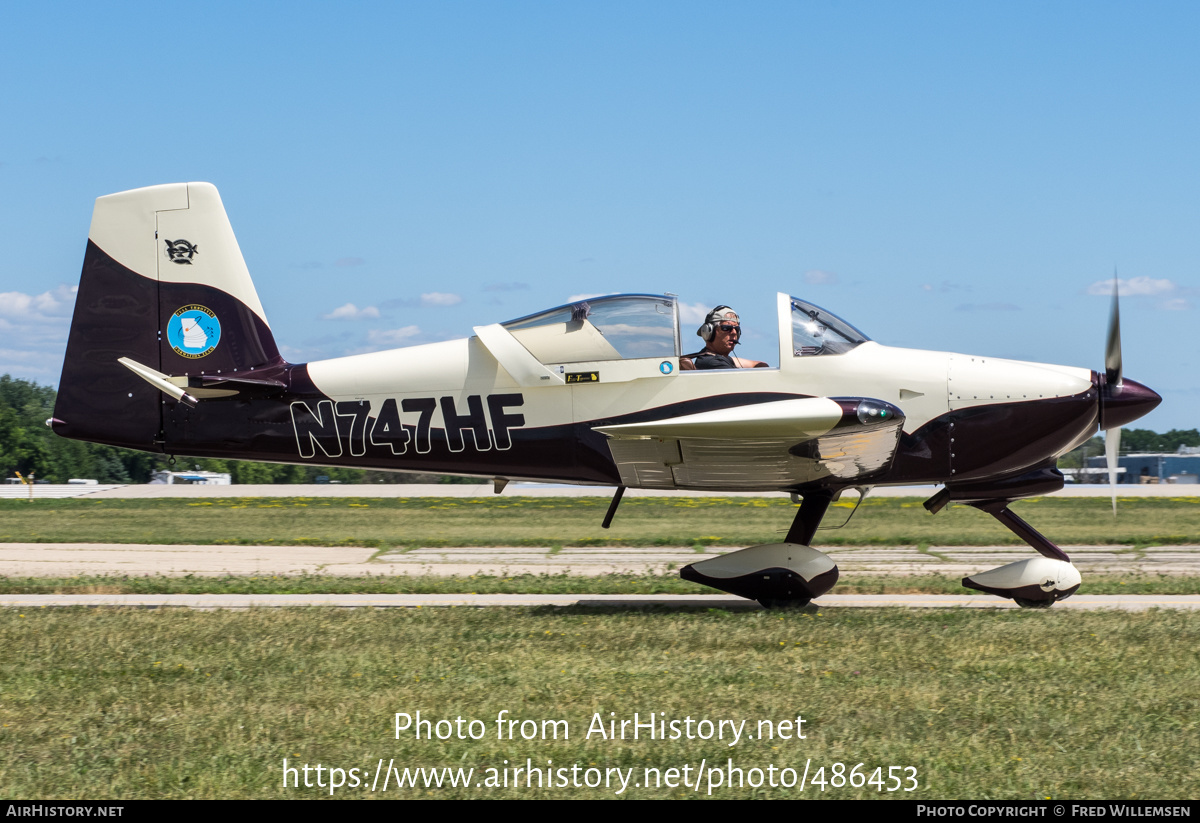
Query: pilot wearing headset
(721,332)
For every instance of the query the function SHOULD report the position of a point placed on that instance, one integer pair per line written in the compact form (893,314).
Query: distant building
(196,478)
(1181,468)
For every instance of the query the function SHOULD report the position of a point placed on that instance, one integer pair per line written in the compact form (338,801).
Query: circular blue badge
(193,331)
(666,367)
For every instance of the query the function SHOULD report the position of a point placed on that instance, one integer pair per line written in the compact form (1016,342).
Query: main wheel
(1033,604)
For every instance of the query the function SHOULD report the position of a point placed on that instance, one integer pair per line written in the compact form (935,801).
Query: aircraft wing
(774,446)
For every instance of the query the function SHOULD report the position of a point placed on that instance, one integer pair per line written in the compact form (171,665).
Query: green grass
(556,522)
(128,704)
(668,583)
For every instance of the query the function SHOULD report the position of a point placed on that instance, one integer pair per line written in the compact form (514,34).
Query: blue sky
(955,176)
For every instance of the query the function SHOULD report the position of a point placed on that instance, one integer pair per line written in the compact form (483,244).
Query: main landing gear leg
(777,575)
(612,507)
(1037,583)
(808,518)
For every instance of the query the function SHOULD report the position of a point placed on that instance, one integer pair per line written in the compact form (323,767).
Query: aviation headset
(715,317)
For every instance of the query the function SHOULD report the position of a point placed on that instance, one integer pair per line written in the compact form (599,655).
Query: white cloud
(817,277)
(437,298)
(392,337)
(1133,287)
(33,332)
(49,306)
(352,312)
(692,313)
(1176,304)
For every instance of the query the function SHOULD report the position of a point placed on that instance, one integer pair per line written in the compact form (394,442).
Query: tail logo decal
(193,331)
(181,251)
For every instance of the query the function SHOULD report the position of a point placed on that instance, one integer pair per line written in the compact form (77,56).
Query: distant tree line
(29,446)
(1144,441)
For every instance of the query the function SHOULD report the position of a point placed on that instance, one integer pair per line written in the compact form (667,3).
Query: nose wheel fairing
(1037,582)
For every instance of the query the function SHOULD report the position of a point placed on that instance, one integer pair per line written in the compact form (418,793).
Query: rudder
(163,284)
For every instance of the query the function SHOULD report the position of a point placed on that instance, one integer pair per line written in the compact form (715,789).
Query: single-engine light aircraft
(170,351)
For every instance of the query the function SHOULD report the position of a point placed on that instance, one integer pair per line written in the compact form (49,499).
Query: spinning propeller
(1121,401)
(1112,388)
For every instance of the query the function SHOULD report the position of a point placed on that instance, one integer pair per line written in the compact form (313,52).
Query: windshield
(816,331)
(619,327)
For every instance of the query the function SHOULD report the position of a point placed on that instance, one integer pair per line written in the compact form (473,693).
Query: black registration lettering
(316,429)
(502,422)
(326,426)
(472,421)
(358,412)
(388,430)
(426,406)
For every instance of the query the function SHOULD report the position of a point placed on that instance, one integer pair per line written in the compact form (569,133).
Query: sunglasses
(727,328)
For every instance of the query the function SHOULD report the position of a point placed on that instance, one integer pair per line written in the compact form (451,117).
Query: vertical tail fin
(163,284)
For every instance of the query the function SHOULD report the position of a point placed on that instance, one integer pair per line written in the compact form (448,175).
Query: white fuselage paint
(924,384)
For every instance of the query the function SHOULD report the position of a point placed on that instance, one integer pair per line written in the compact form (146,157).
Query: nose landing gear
(1036,583)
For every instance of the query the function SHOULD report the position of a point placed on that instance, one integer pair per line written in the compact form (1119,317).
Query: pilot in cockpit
(721,332)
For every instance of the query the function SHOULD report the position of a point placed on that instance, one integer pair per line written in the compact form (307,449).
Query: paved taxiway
(76,559)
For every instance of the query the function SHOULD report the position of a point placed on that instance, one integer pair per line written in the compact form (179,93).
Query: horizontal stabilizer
(158,380)
(216,385)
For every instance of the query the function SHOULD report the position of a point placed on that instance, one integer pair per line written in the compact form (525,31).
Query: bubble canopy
(816,331)
(644,326)
(617,327)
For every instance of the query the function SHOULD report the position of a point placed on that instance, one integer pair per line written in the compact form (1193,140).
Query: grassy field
(132,704)
(128,704)
(550,522)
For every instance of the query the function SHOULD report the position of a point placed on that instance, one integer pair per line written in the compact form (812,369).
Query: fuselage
(450,407)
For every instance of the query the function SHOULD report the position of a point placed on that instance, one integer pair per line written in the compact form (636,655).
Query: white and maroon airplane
(170,351)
